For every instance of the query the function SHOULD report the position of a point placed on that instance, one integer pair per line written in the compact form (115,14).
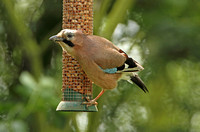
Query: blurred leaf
(14,126)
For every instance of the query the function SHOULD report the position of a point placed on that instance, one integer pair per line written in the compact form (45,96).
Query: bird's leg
(99,95)
(93,102)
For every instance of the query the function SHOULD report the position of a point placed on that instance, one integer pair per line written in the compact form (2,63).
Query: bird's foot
(89,102)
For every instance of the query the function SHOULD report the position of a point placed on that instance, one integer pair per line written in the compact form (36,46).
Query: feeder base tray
(75,106)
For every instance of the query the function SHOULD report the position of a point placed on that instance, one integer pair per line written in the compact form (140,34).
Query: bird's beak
(56,38)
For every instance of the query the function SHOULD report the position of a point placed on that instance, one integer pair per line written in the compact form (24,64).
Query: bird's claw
(89,102)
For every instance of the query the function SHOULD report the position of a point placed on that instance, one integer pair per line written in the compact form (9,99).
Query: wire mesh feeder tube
(77,14)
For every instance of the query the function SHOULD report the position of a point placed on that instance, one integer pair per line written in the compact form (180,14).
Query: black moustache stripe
(68,43)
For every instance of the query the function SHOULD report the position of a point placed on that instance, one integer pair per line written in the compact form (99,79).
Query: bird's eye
(69,35)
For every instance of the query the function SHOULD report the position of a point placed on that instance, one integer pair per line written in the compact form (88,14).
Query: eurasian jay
(102,61)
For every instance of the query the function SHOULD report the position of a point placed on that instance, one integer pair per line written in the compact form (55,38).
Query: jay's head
(68,39)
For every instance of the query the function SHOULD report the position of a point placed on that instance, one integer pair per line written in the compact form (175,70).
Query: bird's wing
(104,53)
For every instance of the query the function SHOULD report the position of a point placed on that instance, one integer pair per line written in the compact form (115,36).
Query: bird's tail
(138,81)
(129,73)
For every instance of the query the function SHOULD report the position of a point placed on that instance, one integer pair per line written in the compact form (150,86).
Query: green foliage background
(168,44)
